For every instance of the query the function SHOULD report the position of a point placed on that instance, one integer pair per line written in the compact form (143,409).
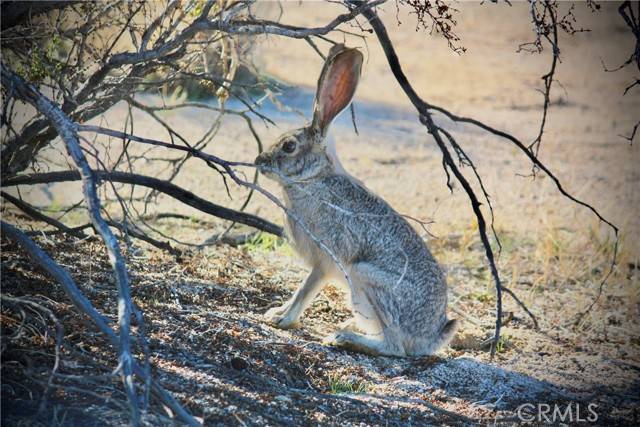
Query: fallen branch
(165,246)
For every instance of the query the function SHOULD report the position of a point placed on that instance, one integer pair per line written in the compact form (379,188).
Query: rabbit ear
(336,85)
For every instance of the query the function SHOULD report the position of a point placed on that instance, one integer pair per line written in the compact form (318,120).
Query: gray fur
(398,292)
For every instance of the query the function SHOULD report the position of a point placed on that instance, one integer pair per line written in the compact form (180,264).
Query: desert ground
(212,349)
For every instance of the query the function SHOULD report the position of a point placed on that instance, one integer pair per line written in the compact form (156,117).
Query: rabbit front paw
(281,318)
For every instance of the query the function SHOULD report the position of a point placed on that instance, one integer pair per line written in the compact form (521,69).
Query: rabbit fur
(397,290)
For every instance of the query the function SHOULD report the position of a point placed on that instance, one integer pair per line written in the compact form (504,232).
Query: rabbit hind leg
(363,343)
(367,331)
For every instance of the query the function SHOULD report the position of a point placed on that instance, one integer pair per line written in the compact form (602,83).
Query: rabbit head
(302,154)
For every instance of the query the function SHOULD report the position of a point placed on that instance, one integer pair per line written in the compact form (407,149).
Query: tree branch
(66,129)
(425,116)
(165,187)
(37,215)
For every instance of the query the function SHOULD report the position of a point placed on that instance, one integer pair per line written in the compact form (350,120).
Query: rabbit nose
(262,159)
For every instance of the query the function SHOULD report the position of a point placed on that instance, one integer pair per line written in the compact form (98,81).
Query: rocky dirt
(210,347)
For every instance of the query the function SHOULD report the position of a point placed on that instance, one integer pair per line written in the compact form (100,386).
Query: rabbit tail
(431,345)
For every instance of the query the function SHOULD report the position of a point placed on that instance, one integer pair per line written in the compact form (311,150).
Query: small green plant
(43,61)
(503,342)
(266,242)
(338,385)
(480,296)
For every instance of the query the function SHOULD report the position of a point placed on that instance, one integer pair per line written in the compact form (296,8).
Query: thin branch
(253,27)
(465,158)
(523,306)
(195,152)
(470,163)
(165,246)
(632,135)
(549,77)
(482,226)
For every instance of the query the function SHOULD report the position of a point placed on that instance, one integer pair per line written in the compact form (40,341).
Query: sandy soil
(205,310)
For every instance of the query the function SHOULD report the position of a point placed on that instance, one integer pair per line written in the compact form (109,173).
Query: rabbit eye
(289,146)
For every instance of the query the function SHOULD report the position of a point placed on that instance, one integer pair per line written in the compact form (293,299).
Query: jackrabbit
(398,292)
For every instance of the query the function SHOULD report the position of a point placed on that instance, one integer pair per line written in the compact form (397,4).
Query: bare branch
(37,215)
(172,190)
(541,29)
(165,246)
(253,27)
(482,227)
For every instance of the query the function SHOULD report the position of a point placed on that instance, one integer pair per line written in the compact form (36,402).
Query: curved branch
(547,78)
(482,225)
(253,27)
(165,187)
(165,246)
